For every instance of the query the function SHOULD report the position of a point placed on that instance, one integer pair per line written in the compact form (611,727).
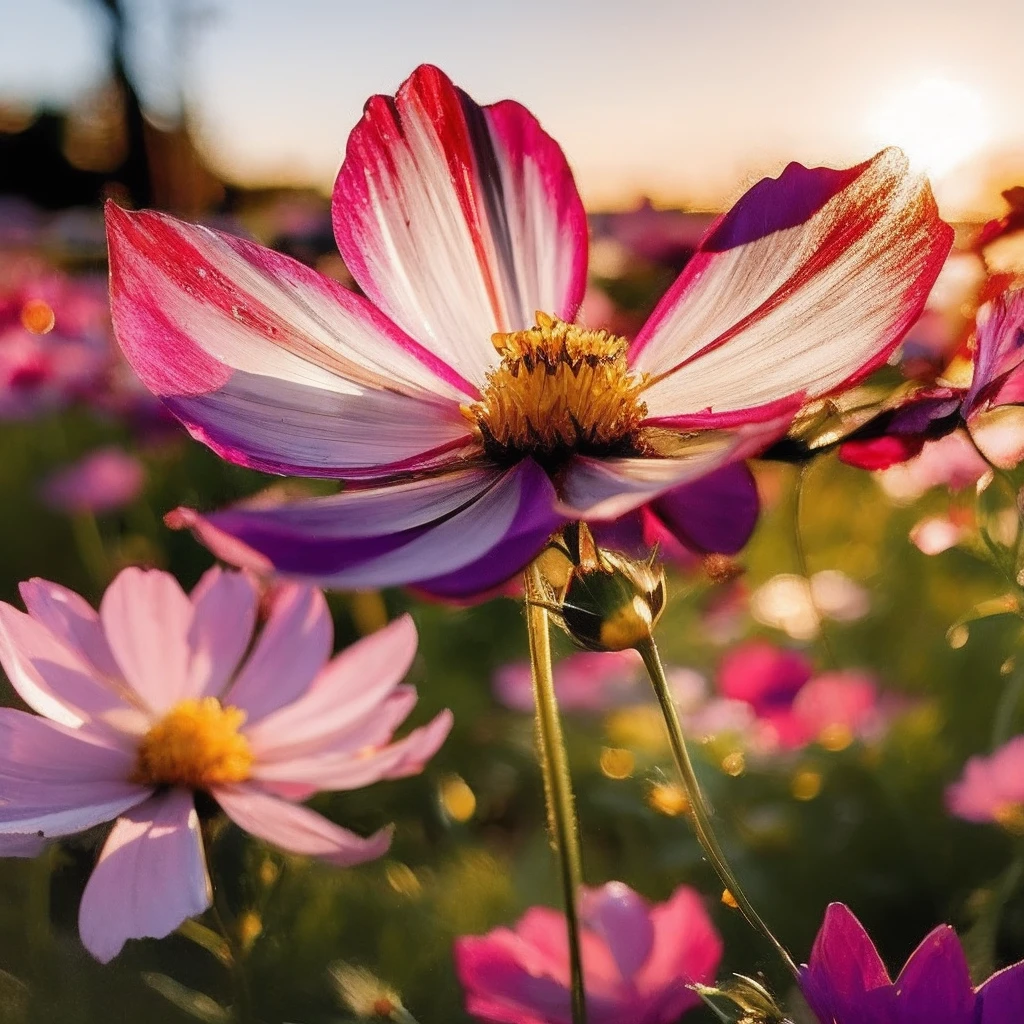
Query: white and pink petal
(806,285)
(459,220)
(270,363)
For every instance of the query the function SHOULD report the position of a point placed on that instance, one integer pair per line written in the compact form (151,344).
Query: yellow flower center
(196,745)
(559,390)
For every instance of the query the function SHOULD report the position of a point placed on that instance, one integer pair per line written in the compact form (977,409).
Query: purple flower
(104,480)
(847,983)
(474,415)
(638,961)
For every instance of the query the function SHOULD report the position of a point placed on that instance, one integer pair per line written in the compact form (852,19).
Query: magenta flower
(847,983)
(155,698)
(104,480)
(585,681)
(991,788)
(793,707)
(638,961)
(474,414)
(988,408)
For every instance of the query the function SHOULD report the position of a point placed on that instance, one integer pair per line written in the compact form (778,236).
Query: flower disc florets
(196,745)
(559,390)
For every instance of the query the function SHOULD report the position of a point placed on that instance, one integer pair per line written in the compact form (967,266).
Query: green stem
(699,813)
(558,795)
(1002,724)
(89,543)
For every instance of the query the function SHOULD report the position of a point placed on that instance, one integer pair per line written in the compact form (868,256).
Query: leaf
(194,1003)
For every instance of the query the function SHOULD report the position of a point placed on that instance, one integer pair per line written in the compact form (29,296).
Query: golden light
(939,123)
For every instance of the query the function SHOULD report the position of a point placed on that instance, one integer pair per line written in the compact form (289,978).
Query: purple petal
(151,876)
(1001,998)
(935,986)
(846,981)
(718,513)
(623,919)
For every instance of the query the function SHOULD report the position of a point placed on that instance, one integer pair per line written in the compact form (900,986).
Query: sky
(682,100)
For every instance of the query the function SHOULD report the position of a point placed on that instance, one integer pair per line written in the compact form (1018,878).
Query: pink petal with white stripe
(348,688)
(151,876)
(459,220)
(292,648)
(147,618)
(807,284)
(268,362)
(298,829)
(224,616)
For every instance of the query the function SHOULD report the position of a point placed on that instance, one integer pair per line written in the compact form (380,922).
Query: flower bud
(610,602)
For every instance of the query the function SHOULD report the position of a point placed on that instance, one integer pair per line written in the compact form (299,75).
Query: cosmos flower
(793,707)
(154,699)
(473,415)
(586,681)
(987,406)
(638,961)
(847,983)
(991,788)
(106,479)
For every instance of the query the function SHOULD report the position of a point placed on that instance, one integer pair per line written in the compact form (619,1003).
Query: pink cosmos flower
(847,983)
(104,480)
(991,788)
(473,414)
(586,681)
(155,698)
(638,961)
(793,707)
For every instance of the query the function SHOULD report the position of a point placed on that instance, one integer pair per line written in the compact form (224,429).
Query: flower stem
(699,814)
(558,794)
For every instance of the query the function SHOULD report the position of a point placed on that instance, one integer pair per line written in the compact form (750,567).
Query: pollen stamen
(196,745)
(560,389)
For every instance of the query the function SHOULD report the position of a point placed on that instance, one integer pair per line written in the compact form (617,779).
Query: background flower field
(894,582)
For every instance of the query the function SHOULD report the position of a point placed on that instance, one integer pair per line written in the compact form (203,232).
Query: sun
(939,123)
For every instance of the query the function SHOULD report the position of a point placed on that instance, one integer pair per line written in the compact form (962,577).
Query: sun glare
(938,123)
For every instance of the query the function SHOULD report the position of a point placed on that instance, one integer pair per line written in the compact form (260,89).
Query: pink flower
(989,409)
(155,698)
(793,707)
(474,425)
(638,961)
(104,480)
(586,681)
(951,462)
(991,788)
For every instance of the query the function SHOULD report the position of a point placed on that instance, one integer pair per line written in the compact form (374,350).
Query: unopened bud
(613,603)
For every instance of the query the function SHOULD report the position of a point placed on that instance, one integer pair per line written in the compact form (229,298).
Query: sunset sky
(685,100)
